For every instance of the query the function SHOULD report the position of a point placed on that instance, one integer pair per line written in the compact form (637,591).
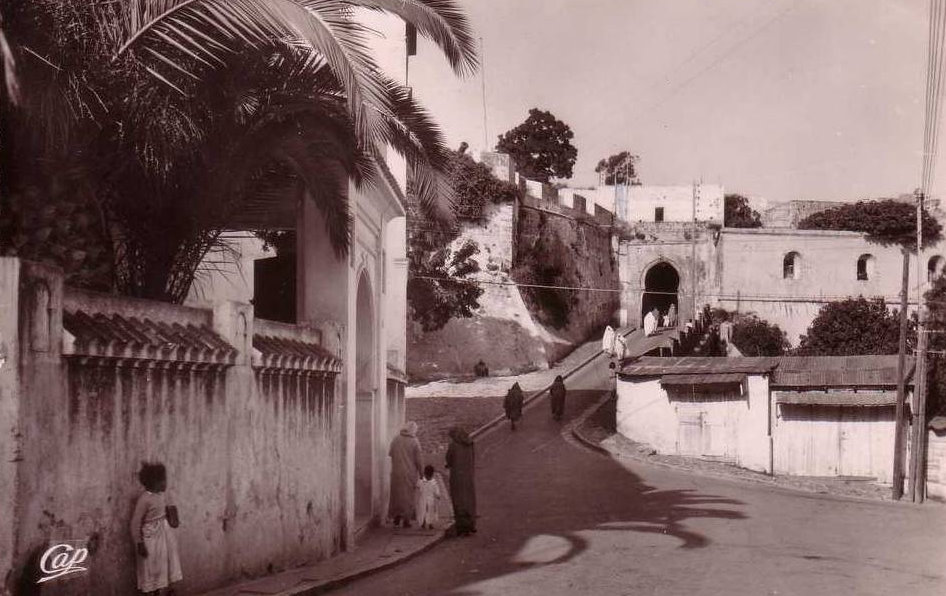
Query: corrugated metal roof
(837,398)
(703,379)
(653,366)
(828,371)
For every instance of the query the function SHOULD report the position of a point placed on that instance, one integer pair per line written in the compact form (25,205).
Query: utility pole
(696,191)
(918,444)
(898,442)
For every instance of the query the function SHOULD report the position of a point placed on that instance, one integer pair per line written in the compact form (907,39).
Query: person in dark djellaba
(557,397)
(461,461)
(513,404)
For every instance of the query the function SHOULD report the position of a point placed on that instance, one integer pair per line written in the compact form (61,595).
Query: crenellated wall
(245,414)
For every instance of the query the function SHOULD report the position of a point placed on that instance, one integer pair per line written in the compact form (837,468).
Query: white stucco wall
(677,202)
(227,272)
(645,413)
(752,280)
(395,292)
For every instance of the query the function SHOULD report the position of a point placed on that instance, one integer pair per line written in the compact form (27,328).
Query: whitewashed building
(814,416)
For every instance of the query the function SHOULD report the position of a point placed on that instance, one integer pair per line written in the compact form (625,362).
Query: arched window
(865,267)
(791,266)
(934,267)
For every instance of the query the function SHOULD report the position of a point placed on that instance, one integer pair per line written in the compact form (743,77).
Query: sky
(776,99)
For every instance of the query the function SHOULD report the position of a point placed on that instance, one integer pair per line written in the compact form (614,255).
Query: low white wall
(645,413)
(936,467)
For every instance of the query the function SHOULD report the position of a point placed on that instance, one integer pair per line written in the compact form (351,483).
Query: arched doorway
(661,284)
(365,392)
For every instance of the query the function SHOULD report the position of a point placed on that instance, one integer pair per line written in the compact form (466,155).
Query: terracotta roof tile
(130,337)
(281,352)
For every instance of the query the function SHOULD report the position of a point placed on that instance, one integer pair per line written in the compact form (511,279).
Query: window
(934,268)
(658,214)
(791,266)
(865,267)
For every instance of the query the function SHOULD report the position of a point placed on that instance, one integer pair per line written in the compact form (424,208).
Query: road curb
(528,401)
(336,583)
(575,429)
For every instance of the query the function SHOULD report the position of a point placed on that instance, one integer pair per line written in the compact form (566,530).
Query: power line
(719,60)
(718,296)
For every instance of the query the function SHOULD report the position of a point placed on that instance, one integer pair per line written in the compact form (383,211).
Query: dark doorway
(274,280)
(660,289)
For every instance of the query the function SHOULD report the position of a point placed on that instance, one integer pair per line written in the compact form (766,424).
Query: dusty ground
(599,429)
(557,518)
(435,416)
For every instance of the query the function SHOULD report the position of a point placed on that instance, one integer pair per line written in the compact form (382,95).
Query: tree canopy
(851,327)
(541,147)
(738,213)
(618,168)
(438,286)
(886,222)
(205,112)
(753,336)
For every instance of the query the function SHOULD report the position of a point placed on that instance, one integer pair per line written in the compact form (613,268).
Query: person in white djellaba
(428,496)
(650,322)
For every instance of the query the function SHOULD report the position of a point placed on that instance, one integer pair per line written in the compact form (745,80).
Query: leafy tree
(886,222)
(475,186)
(738,213)
(438,287)
(853,326)
(541,147)
(753,336)
(618,168)
(207,111)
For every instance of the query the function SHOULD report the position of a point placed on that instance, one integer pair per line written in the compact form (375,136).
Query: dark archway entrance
(365,392)
(661,284)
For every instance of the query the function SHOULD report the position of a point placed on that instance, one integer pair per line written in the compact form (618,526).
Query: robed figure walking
(461,461)
(407,467)
(513,404)
(557,397)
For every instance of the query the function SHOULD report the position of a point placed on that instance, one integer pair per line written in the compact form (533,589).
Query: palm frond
(441,21)
(167,28)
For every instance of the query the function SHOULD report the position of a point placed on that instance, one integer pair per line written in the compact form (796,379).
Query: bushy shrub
(476,187)
(853,326)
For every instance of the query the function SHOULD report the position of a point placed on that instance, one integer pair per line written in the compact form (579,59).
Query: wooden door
(690,432)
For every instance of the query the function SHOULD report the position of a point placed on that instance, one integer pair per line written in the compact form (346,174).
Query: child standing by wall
(157,559)
(428,494)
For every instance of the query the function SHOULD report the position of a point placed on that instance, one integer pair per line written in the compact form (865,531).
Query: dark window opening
(864,267)
(790,266)
(658,214)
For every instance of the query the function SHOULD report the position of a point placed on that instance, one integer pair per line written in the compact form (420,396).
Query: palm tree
(162,101)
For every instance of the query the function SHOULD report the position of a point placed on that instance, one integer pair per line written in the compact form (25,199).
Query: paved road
(558,519)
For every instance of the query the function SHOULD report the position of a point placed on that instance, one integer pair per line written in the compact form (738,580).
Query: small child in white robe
(158,563)
(428,493)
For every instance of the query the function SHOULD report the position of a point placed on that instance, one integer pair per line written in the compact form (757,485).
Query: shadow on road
(541,496)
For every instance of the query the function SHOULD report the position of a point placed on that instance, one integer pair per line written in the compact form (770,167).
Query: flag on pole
(411,36)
